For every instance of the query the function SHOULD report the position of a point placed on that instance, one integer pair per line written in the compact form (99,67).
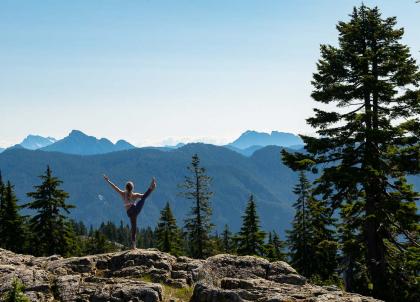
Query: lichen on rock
(152,276)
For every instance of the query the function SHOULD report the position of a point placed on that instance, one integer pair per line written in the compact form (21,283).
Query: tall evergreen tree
(371,143)
(353,262)
(98,244)
(313,249)
(198,224)
(146,238)
(168,235)
(2,203)
(251,237)
(227,240)
(52,234)
(275,247)
(298,238)
(12,236)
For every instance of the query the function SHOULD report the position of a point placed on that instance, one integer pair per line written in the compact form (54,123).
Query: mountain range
(235,177)
(76,142)
(79,143)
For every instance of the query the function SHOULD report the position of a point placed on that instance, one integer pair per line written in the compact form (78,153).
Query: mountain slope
(33,142)
(81,144)
(234,178)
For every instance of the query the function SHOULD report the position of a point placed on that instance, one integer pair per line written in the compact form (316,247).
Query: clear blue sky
(158,71)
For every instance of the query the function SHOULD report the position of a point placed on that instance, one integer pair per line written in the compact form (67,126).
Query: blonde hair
(129,186)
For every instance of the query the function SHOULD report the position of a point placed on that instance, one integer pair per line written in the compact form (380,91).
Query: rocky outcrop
(146,275)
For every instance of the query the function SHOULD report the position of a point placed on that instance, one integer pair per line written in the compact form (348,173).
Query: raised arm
(118,190)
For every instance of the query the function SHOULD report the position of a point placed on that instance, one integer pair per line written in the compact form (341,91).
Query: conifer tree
(12,235)
(299,237)
(198,224)
(369,145)
(99,244)
(353,262)
(168,235)
(15,293)
(52,234)
(146,238)
(2,203)
(275,248)
(313,248)
(227,240)
(251,237)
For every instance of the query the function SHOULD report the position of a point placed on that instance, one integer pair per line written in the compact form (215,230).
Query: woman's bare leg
(133,220)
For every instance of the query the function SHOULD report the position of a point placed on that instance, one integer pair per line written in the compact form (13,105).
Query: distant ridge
(34,142)
(81,144)
(251,141)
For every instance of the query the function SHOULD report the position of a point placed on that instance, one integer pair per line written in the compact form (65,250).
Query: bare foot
(153,184)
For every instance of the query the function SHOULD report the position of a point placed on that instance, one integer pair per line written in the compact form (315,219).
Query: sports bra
(128,202)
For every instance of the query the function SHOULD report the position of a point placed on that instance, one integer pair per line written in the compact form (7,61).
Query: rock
(138,276)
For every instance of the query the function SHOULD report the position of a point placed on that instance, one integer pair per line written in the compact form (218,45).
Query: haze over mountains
(79,143)
(235,177)
(254,139)
(33,142)
(75,143)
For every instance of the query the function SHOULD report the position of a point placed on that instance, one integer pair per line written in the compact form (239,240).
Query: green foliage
(227,241)
(313,249)
(250,238)
(146,238)
(15,294)
(182,294)
(198,223)
(52,234)
(12,231)
(366,148)
(274,249)
(168,235)
(98,244)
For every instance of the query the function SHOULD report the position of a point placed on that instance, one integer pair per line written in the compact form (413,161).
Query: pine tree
(98,244)
(52,234)
(324,241)
(15,294)
(371,143)
(2,204)
(123,234)
(168,235)
(353,262)
(313,249)
(299,237)
(275,248)
(12,234)
(227,240)
(250,237)
(146,238)
(198,224)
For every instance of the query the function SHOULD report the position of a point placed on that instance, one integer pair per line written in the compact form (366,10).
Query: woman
(133,209)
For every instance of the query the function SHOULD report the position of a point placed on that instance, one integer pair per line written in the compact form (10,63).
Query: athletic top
(128,202)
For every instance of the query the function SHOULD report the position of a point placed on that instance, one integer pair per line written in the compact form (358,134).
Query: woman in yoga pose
(133,208)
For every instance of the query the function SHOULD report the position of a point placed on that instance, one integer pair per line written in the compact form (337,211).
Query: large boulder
(146,275)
